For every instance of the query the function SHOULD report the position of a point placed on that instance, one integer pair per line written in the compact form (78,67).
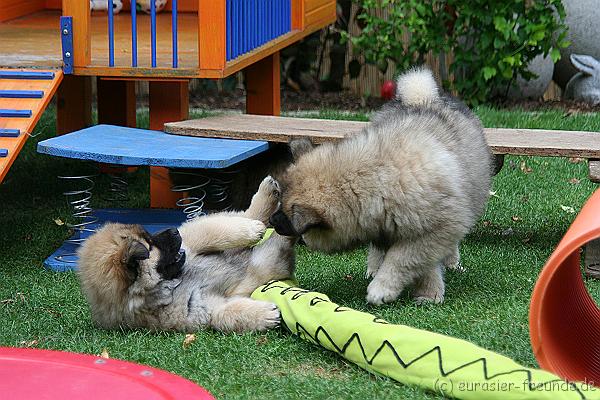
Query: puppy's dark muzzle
(282,224)
(168,239)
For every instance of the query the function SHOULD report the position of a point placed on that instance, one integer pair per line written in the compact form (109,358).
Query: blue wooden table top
(129,146)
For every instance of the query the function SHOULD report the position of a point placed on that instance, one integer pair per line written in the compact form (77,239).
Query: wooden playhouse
(49,47)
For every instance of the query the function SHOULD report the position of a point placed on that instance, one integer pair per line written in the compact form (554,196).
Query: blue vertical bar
(245,27)
(280,19)
(252,23)
(153,31)
(228,29)
(288,16)
(261,21)
(236,28)
(174,32)
(240,25)
(231,28)
(277,16)
(270,20)
(111,35)
(257,22)
(134,62)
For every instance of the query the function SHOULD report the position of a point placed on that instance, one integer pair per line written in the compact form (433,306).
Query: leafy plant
(492,41)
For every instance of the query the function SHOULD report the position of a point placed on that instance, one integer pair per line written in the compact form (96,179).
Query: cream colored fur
(411,186)
(219,273)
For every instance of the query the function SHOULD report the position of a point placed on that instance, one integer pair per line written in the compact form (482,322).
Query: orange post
(116,102)
(263,89)
(298,14)
(169,102)
(211,34)
(11,9)
(116,106)
(82,37)
(73,104)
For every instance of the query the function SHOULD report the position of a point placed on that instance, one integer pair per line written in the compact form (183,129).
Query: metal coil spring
(118,189)
(218,191)
(193,190)
(82,213)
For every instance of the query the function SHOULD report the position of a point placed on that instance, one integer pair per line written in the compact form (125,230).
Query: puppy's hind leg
(265,201)
(241,314)
(275,259)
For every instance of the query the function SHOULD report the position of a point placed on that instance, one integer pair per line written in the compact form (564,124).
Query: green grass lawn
(487,304)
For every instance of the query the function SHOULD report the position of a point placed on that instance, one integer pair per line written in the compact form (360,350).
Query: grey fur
(411,185)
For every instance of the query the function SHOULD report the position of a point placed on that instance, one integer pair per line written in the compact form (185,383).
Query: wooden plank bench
(529,142)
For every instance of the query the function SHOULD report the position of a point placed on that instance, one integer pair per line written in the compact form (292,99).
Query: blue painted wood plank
(33,75)
(9,132)
(21,94)
(6,113)
(130,146)
(3,153)
(153,220)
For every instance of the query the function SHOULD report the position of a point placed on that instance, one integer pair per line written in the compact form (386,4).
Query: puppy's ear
(305,218)
(136,251)
(298,147)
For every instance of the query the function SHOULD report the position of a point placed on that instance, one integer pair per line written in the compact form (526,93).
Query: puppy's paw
(379,292)
(270,187)
(371,271)
(435,299)
(267,316)
(255,230)
(265,201)
(458,267)
(452,262)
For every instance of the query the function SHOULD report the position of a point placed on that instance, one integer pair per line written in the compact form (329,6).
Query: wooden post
(116,102)
(211,34)
(73,104)
(169,101)
(116,106)
(263,90)
(298,14)
(82,38)
(594,170)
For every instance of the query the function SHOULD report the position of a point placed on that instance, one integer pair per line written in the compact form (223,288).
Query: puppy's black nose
(282,224)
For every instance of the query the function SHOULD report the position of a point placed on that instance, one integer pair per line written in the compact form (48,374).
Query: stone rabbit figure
(585,85)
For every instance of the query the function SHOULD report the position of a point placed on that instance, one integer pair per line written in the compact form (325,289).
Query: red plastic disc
(45,374)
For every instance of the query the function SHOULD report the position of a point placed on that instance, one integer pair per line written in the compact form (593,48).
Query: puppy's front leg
(265,201)
(220,232)
(241,314)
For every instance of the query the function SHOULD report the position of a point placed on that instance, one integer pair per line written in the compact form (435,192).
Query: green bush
(493,41)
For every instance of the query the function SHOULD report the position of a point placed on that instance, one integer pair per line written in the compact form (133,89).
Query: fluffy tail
(417,86)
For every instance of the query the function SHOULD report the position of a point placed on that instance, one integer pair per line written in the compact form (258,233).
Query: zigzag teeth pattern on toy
(321,335)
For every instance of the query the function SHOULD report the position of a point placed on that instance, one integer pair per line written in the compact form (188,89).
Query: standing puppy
(411,185)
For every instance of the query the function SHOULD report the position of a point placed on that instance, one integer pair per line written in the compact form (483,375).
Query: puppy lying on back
(198,276)
(411,185)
